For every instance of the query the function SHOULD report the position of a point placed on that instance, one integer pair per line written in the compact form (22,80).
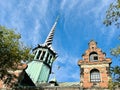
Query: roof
(69,84)
(62,84)
(53,80)
(47,47)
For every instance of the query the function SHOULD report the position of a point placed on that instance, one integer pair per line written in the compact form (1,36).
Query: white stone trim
(97,65)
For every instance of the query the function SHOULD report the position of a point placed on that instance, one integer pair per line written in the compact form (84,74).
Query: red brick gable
(93,48)
(94,66)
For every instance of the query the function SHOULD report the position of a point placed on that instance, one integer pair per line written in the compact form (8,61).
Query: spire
(49,39)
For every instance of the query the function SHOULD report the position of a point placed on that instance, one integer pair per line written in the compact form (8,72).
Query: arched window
(93,56)
(94,75)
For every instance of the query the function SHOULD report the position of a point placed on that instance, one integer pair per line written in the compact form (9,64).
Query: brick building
(94,70)
(94,67)
(14,77)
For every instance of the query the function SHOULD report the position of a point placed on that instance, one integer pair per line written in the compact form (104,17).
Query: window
(38,55)
(34,52)
(42,56)
(50,61)
(95,75)
(47,57)
(93,56)
(92,47)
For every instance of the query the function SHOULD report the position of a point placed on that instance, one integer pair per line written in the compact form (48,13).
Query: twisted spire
(49,38)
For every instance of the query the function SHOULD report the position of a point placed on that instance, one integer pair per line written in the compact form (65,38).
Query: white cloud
(42,7)
(68,66)
(84,3)
(111,34)
(99,11)
(63,4)
(31,5)
(35,35)
(39,11)
(98,8)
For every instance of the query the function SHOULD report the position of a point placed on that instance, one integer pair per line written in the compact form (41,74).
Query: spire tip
(49,39)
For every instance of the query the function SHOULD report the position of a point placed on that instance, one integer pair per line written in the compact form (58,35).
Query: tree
(113,17)
(116,69)
(116,73)
(116,51)
(113,14)
(12,50)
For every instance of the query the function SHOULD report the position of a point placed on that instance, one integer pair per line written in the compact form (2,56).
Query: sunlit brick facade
(94,68)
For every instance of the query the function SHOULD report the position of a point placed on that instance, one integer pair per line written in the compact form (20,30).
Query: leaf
(11,50)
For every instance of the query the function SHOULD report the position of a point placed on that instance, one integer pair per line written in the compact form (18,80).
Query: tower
(40,68)
(94,67)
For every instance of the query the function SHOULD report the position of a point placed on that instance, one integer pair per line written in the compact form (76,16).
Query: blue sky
(80,21)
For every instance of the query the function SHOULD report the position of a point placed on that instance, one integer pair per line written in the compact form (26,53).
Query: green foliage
(113,17)
(12,51)
(116,51)
(113,14)
(115,71)
(112,85)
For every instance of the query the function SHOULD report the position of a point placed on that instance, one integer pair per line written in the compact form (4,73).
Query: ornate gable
(94,54)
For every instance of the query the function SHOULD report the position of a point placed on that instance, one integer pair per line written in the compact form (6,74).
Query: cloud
(68,5)
(31,5)
(34,19)
(98,14)
(111,35)
(40,7)
(25,17)
(35,34)
(98,8)
(62,4)
(68,67)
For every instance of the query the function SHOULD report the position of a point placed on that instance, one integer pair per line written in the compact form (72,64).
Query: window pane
(93,56)
(38,55)
(47,57)
(95,76)
(50,59)
(43,54)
